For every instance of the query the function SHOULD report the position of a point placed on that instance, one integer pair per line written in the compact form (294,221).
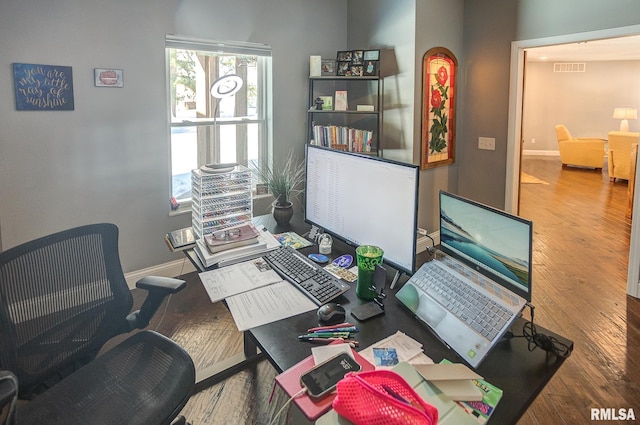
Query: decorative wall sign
(104,77)
(43,87)
(439,67)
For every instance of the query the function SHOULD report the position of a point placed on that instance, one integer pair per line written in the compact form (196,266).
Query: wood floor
(581,241)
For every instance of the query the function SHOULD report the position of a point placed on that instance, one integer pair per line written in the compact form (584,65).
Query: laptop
(478,282)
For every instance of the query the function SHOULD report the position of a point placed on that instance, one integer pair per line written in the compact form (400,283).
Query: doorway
(514,145)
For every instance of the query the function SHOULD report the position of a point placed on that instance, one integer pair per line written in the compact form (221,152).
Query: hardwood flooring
(581,253)
(581,242)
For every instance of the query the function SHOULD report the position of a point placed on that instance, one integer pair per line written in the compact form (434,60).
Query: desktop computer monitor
(364,200)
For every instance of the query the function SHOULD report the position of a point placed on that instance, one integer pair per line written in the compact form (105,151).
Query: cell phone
(324,377)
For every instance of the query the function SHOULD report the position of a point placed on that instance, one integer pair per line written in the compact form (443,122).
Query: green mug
(368,257)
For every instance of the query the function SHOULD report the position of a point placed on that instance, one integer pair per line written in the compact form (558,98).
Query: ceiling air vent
(569,67)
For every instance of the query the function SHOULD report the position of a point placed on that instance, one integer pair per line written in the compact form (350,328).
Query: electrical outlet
(533,141)
(487,143)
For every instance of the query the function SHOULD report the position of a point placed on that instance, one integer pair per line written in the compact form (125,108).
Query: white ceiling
(621,48)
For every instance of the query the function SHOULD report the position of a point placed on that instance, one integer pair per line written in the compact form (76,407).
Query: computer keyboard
(315,282)
(471,306)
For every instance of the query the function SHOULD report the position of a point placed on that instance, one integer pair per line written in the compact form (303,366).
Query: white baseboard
(172,269)
(541,153)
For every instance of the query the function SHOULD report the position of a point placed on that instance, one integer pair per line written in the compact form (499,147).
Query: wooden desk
(521,373)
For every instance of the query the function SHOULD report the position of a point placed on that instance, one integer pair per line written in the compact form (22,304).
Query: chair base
(596,169)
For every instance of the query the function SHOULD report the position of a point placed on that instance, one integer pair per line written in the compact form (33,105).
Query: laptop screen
(493,242)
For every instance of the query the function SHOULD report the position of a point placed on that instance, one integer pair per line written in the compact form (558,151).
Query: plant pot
(283,213)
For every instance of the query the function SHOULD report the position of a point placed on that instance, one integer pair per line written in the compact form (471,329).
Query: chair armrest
(159,283)
(8,396)
(158,288)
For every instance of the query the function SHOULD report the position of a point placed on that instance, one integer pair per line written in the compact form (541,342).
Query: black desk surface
(520,373)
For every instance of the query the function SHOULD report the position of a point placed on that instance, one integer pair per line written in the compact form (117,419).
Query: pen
(394,394)
(397,396)
(353,329)
(339,325)
(326,335)
(352,343)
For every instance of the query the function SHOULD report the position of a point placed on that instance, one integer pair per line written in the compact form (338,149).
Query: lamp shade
(625,113)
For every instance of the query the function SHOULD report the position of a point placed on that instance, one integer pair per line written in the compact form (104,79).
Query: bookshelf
(353,121)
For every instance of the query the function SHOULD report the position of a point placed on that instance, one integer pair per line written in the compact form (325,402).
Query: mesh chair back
(61,298)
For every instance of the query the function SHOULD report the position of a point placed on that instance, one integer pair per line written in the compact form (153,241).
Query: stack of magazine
(234,244)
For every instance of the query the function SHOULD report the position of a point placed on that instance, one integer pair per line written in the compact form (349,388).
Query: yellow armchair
(581,152)
(619,155)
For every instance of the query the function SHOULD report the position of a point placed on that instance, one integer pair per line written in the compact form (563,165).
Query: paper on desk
(324,352)
(237,278)
(268,304)
(408,350)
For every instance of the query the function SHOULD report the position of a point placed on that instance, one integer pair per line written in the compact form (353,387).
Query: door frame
(514,131)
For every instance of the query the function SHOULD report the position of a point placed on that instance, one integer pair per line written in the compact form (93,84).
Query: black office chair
(62,297)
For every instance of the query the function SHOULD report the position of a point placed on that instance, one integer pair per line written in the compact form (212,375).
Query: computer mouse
(331,313)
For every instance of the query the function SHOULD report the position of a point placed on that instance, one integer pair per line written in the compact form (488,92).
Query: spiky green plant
(284,180)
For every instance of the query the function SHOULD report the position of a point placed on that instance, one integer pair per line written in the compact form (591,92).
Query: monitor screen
(364,200)
(493,242)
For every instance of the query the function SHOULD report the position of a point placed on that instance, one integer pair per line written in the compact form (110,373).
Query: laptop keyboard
(310,278)
(471,306)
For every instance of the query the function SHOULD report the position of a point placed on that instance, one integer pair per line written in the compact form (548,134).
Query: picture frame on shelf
(327,103)
(341,103)
(344,68)
(357,57)
(345,56)
(356,70)
(370,68)
(371,55)
(328,67)
(439,69)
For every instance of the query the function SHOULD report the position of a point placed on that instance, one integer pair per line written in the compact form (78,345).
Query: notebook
(479,281)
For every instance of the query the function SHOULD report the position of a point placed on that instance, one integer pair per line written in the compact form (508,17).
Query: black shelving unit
(351,130)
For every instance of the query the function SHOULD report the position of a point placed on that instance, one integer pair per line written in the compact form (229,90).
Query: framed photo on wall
(439,68)
(108,77)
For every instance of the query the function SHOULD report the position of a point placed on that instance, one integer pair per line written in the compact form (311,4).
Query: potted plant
(284,182)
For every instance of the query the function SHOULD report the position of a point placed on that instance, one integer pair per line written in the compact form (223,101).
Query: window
(207,129)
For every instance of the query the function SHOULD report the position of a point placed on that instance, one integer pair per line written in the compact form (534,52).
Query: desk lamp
(225,86)
(625,114)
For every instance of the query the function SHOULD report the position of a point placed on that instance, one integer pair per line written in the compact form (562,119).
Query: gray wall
(489,29)
(404,30)
(583,101)
(108,160)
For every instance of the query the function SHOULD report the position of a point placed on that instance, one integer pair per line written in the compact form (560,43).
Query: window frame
(206,151)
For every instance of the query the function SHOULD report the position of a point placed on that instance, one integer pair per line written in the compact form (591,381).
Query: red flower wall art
(439,68)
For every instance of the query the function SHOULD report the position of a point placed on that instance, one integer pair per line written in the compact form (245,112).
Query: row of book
(355,139)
